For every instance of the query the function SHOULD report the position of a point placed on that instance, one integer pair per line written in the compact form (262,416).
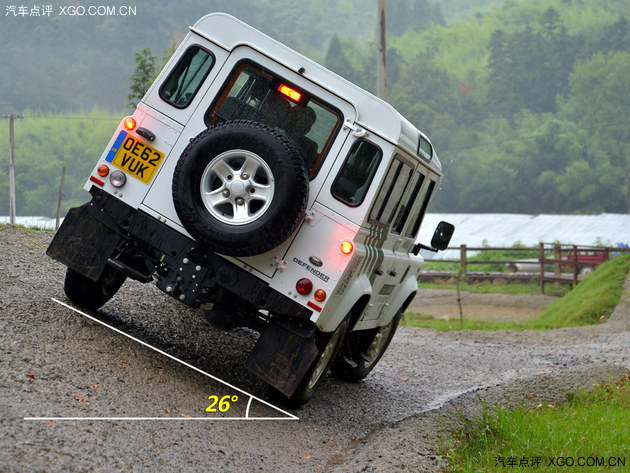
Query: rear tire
(92,295)
(328,345)
(362,350)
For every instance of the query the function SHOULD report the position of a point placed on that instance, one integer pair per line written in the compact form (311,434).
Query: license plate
(135,157)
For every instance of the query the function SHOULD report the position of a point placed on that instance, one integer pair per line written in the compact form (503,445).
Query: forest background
(527,102)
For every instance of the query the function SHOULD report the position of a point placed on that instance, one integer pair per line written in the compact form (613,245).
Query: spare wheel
(240,188)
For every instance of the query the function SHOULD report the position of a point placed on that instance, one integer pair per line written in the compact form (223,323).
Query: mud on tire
(91,295)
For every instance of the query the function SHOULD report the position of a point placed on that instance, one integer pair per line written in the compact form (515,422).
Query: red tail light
(304,286)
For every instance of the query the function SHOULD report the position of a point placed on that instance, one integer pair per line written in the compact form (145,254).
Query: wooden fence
(555,263)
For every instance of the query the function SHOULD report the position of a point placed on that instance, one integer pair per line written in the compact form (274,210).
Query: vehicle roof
(373,114)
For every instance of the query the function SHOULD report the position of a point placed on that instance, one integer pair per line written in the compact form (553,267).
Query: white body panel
(381,266)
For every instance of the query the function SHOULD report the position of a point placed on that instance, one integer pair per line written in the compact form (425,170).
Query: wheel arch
(353,301)
(406,294)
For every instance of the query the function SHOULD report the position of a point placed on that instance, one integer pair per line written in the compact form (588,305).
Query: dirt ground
(57,363)
(442,303)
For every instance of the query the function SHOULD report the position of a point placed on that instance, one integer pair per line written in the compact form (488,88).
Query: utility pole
(11,117)
(381,89)
(63,175)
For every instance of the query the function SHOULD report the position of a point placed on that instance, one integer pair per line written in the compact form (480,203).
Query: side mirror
(439,242)
(442,236)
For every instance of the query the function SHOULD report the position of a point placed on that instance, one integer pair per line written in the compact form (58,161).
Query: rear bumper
(106,230)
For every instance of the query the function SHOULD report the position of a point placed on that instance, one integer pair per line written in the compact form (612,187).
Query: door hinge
(357,131)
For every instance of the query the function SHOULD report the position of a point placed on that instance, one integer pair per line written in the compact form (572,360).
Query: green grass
(428,321)
(589,425)
(590,302)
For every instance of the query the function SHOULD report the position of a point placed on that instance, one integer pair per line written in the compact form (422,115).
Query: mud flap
(83,243)
(282,357)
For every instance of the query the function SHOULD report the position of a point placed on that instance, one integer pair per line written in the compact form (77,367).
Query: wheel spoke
(241,212)
(250,166)
(214,198)
(223,170)
(261,192)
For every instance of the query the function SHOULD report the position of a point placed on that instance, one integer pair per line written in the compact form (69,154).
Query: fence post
(462,257)
(556,255)
(575,266)
(541,258)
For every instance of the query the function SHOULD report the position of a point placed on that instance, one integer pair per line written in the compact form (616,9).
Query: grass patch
(590,302)
(591,426)
(442,325)
(28,228)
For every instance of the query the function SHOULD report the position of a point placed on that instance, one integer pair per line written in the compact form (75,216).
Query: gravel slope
(54,362)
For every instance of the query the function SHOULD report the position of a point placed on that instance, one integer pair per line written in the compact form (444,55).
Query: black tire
(230,210)
(89,294)
(362,350)
(328,345)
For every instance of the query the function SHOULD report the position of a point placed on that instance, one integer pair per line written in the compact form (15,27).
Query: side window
(256,93)
(182,84)
(393,188)
(357,172)
(413,231)
(405,209)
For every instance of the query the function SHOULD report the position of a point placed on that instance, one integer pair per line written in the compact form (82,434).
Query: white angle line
(249,403)
(157,418)
(290,416)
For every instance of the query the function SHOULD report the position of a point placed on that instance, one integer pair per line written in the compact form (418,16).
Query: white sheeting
(504,230)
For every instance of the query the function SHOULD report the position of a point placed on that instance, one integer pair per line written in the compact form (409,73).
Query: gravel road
(57,363)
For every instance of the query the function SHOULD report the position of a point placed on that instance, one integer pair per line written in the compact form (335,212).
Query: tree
(600,104)
(336,59)
(143,76)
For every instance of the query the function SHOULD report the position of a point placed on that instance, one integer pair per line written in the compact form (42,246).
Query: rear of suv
(258,186)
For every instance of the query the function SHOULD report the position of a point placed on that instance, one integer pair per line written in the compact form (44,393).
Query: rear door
(251,86)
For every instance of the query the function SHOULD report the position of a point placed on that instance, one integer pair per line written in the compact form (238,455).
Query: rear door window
(184,81)
(256,93)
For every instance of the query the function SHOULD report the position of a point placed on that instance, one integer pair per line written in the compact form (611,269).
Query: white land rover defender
(271,193)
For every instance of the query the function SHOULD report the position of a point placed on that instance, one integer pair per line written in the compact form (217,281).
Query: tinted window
(355,176)
(184,81)
(425,202)
(424,148)
(392,190)
(255,93)
(405,209)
